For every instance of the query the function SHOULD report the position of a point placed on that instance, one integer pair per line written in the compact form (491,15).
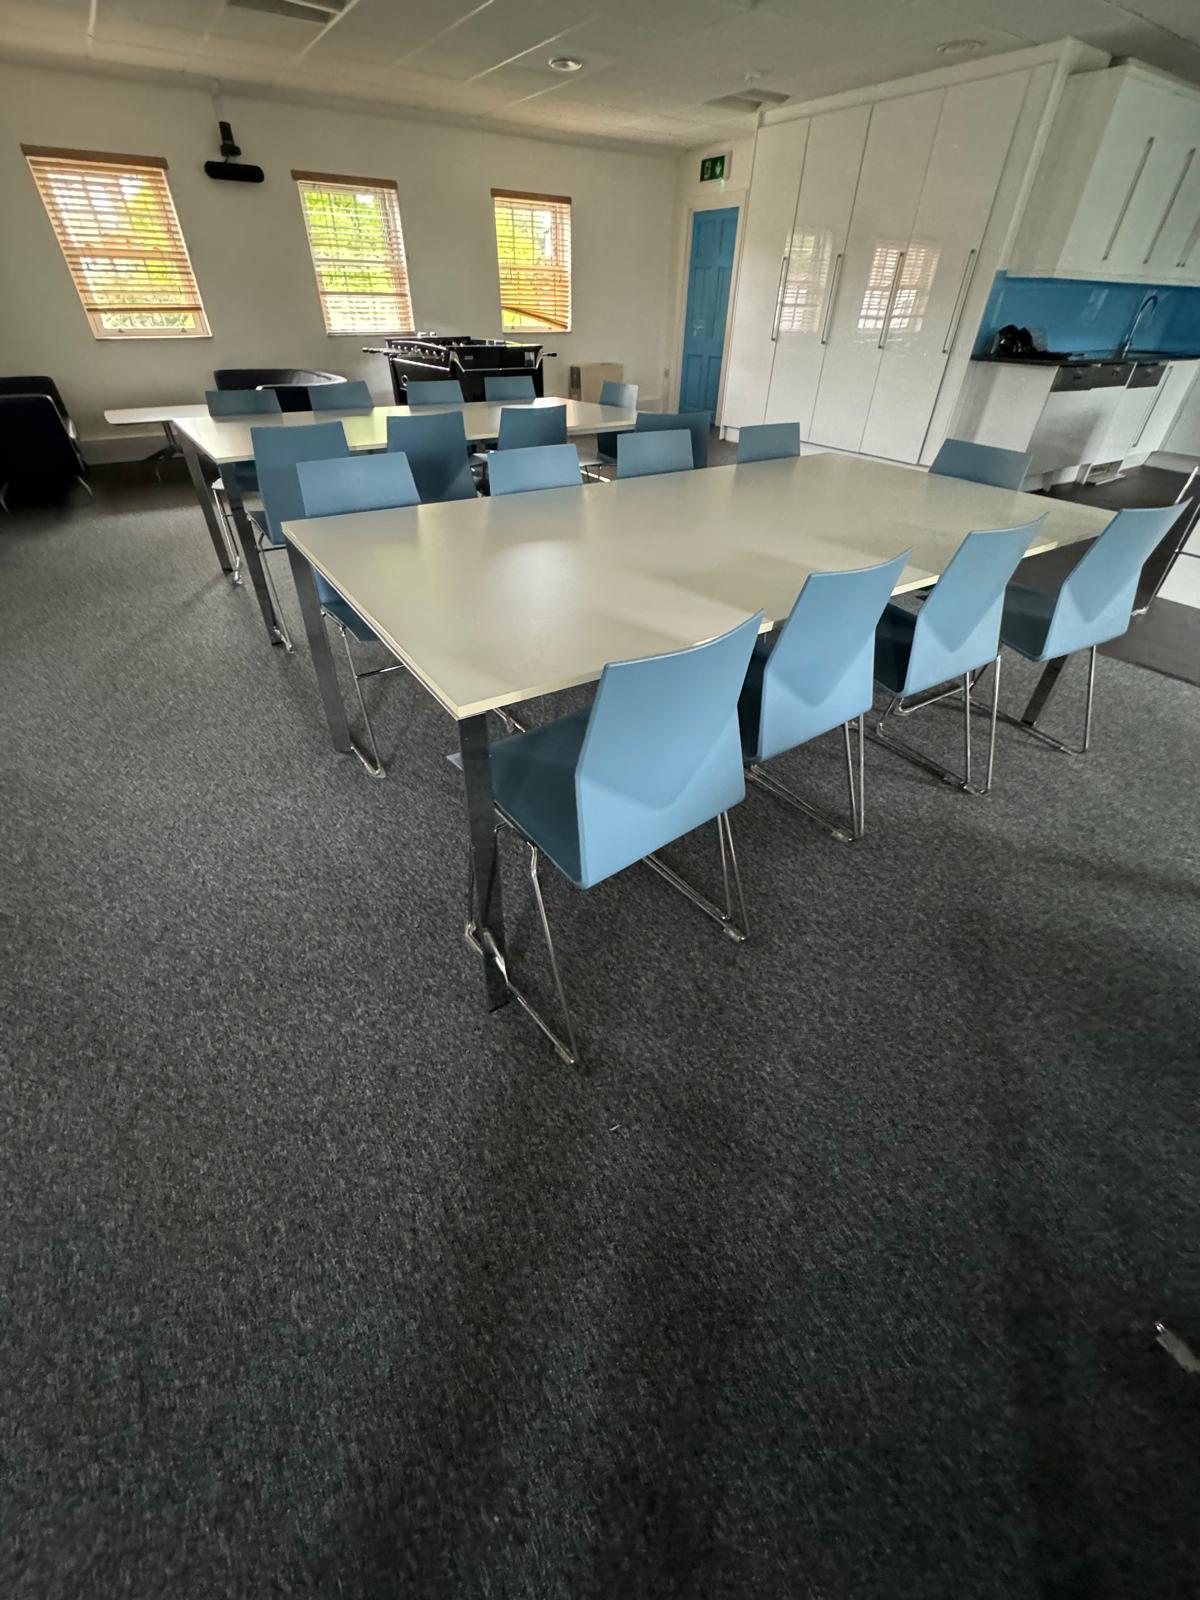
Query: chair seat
(533,782)
(349,618)
(259,518)
(893,646)
(1026,620)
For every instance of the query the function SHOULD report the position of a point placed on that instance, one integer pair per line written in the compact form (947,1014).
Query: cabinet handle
(835,283)
(1137,178)
(1162,221)
(1190,245)
(960,304)
(783,266)
(891,303)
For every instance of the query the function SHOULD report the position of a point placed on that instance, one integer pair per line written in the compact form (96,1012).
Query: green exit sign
(712,167)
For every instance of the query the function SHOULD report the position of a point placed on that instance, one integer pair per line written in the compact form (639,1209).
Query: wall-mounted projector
(228,170)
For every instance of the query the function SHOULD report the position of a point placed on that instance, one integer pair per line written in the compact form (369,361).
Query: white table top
(131,415)
(228,440)
(493,601)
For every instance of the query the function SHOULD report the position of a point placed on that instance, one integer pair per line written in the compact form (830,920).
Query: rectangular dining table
(494,601)
(223,443)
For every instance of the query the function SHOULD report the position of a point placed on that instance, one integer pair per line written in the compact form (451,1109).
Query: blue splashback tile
(1083,317)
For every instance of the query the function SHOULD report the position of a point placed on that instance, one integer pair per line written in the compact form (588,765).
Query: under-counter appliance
(456,355)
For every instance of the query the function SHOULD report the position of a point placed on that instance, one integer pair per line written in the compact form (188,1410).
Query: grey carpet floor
(833,1273)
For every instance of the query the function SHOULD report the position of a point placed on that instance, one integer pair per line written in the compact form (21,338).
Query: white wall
(250,253)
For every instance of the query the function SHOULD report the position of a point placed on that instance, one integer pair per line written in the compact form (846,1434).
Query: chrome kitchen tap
(1148,301)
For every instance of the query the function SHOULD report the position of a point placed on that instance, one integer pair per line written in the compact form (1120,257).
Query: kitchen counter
(1044,358)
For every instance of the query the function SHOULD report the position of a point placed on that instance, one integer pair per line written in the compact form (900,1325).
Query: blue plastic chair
(434,392)
(547,466)
(955,634)
(1093,604)
(351,396)
(657,755)
(241,402)
(768,441)
(981,463)
(508,386)
(698,424)
(277,453)
(817,674)
(335,488)
(525,426)
(612,393)
(436,447)
(639,455)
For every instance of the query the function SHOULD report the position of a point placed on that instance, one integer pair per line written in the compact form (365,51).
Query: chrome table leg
(1043,689)
(252,561)
(322,656)
(486,930)
(205,500)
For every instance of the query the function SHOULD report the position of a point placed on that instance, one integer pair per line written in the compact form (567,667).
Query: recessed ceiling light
(959,47)
(565,63)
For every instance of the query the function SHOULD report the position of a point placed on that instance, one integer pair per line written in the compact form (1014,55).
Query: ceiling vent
(318,13)
(749,100)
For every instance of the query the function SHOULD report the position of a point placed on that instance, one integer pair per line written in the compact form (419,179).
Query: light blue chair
(698,424)
(981,463)
(223,403)
(277,451)
(768,441)
(436,447)
(955,634)
(1093,604)
(335,488)
(351,396)
(639,455)
(226,405)
(612,393)
(547,466)
(525,426)
(508,386)
(433,392)
(815,674)
(656,756)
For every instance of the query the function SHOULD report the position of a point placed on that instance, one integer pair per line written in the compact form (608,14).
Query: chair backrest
(374,482)
(543,466)
(436,447)
(35,447)
(769,441)
(350,396)
(241,402)
(662,753)
(433,392)
(641,454)
(508,386)
(981,463)
(698,424)
(521,427)
(821,672)
(36,384)
(613,393)
(1096,597)
(958,627)
(277,453)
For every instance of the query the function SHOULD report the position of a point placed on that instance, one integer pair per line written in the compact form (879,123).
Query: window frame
(565,269)
(40,160)
(402,284)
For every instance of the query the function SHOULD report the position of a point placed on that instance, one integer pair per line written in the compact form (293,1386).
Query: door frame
(723,200)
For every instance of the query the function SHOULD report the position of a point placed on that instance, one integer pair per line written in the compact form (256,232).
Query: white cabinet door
(1176,225)
(774,184)
(875,271)
(814,265)
(968,156)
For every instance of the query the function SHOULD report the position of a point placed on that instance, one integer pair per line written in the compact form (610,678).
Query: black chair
(38,457)
(40,385)
(291,384)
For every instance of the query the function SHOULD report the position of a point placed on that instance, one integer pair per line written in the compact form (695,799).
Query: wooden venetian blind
(357,250)
(116,225)
(533,247)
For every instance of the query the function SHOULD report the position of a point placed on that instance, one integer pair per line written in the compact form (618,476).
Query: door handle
(1170,206)
(835,284)
(960,303)
(891,301)
(1137,178)
(783,266)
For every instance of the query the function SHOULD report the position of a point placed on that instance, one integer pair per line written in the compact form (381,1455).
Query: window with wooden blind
(533,246)
(115,223)
(357,250)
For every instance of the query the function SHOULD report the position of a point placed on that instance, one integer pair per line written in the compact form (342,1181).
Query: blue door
(709,272)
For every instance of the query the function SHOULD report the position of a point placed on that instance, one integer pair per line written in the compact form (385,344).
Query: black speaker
(234,171)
